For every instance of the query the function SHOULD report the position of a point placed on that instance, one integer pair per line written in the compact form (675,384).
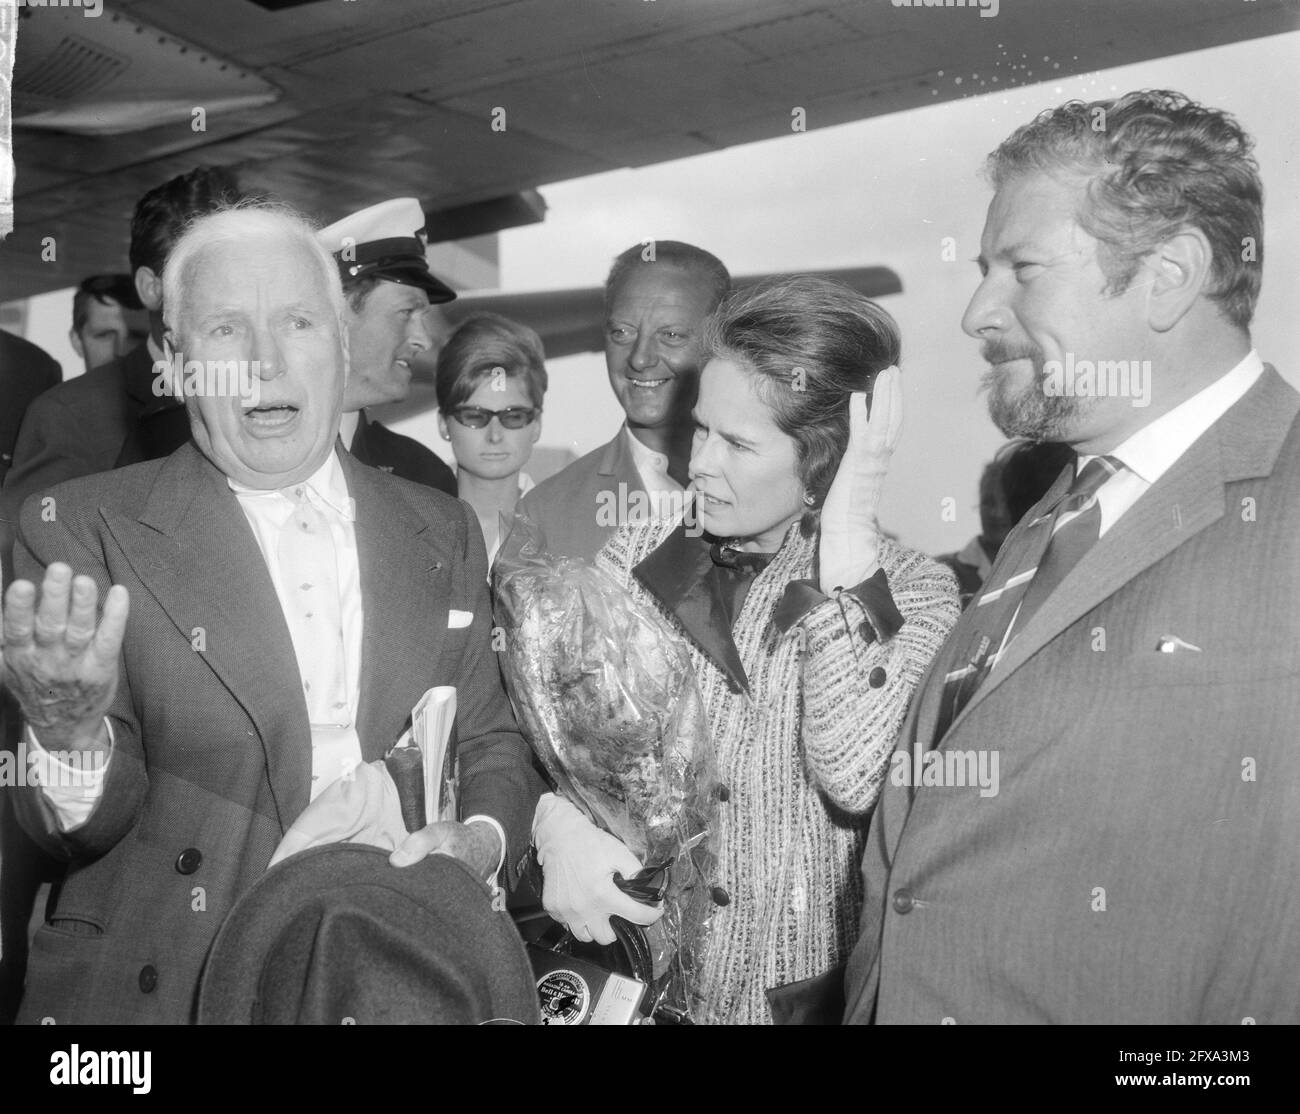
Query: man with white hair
(287,608)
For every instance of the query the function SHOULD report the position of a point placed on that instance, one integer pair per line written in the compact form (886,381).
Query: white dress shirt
(652,466)
(1153,449)
(336,751)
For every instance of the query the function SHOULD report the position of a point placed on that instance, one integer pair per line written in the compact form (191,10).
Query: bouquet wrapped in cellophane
(604,689)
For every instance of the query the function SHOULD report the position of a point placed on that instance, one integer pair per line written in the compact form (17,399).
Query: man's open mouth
(271,416)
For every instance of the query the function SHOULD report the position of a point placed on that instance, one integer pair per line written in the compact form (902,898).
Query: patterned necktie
(309,575)
(1059,541)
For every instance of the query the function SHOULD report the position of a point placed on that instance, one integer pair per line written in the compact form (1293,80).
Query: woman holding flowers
(808,630)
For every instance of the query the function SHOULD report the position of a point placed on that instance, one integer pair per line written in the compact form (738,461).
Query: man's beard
(1029,412)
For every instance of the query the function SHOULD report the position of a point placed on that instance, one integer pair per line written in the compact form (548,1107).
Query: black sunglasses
(477,417)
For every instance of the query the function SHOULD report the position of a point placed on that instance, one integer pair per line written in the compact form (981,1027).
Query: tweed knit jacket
(803,754)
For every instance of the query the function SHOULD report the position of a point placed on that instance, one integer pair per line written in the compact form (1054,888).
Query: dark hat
(335,936)
(382,241)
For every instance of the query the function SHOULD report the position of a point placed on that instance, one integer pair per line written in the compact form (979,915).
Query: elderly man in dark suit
(657,296)
(1092,815)
(287,608)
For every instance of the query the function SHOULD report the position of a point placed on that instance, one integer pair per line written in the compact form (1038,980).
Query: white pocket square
(458,619)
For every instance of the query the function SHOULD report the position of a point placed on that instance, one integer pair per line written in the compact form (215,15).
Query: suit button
(876,677)
(189,860)
(903,901)
(148,979)
(723,793)
(720,896)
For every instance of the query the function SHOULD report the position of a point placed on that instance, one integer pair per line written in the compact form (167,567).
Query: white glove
(578,865)
(849,549)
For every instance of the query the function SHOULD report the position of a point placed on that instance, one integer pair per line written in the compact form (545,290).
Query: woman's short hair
(811,343)
(1153,163)
(482,344)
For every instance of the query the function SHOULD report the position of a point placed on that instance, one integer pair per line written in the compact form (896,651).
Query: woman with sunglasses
(491,378)
(809,631)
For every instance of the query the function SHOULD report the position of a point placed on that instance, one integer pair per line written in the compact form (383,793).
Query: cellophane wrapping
(604,689)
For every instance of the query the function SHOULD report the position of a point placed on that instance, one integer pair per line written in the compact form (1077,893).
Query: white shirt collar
(1153,449)
(646,459)
(327,487)
(348,424)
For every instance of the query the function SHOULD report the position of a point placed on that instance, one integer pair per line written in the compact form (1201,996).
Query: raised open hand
(60,665)
(849,550)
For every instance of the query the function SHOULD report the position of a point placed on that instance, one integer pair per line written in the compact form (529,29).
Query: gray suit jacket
(580,507)
(212,760)
(1140,861)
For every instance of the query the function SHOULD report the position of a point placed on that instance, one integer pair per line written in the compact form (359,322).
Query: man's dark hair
(1151,164)
(357,290)
(106,290)
(163,213)
(672,253)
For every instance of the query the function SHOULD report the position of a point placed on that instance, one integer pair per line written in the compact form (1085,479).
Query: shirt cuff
(801,596)
(73,789)
(501,834)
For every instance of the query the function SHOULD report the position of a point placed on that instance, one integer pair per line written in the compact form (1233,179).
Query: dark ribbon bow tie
(724,556)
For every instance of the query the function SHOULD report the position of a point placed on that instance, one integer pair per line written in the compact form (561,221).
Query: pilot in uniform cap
(382,241)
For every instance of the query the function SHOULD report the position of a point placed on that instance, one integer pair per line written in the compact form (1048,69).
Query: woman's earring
(809,499)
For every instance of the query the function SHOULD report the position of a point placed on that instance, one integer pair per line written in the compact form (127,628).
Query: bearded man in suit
(287,608)
(1092,816)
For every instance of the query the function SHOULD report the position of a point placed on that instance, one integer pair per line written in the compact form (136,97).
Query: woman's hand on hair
(849,549)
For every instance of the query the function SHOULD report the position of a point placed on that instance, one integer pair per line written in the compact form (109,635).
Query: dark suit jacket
(78,428)
(213,751)
(1140,862)
(25,372)
(380,447)
(578,509)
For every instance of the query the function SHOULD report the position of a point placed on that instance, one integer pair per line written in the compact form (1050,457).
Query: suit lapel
(679,575)
(194,551)
(405,586)
(617,461)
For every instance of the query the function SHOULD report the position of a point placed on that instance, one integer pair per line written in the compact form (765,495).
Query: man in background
(108,319)
(26,371)
(389,289)
(657,296)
